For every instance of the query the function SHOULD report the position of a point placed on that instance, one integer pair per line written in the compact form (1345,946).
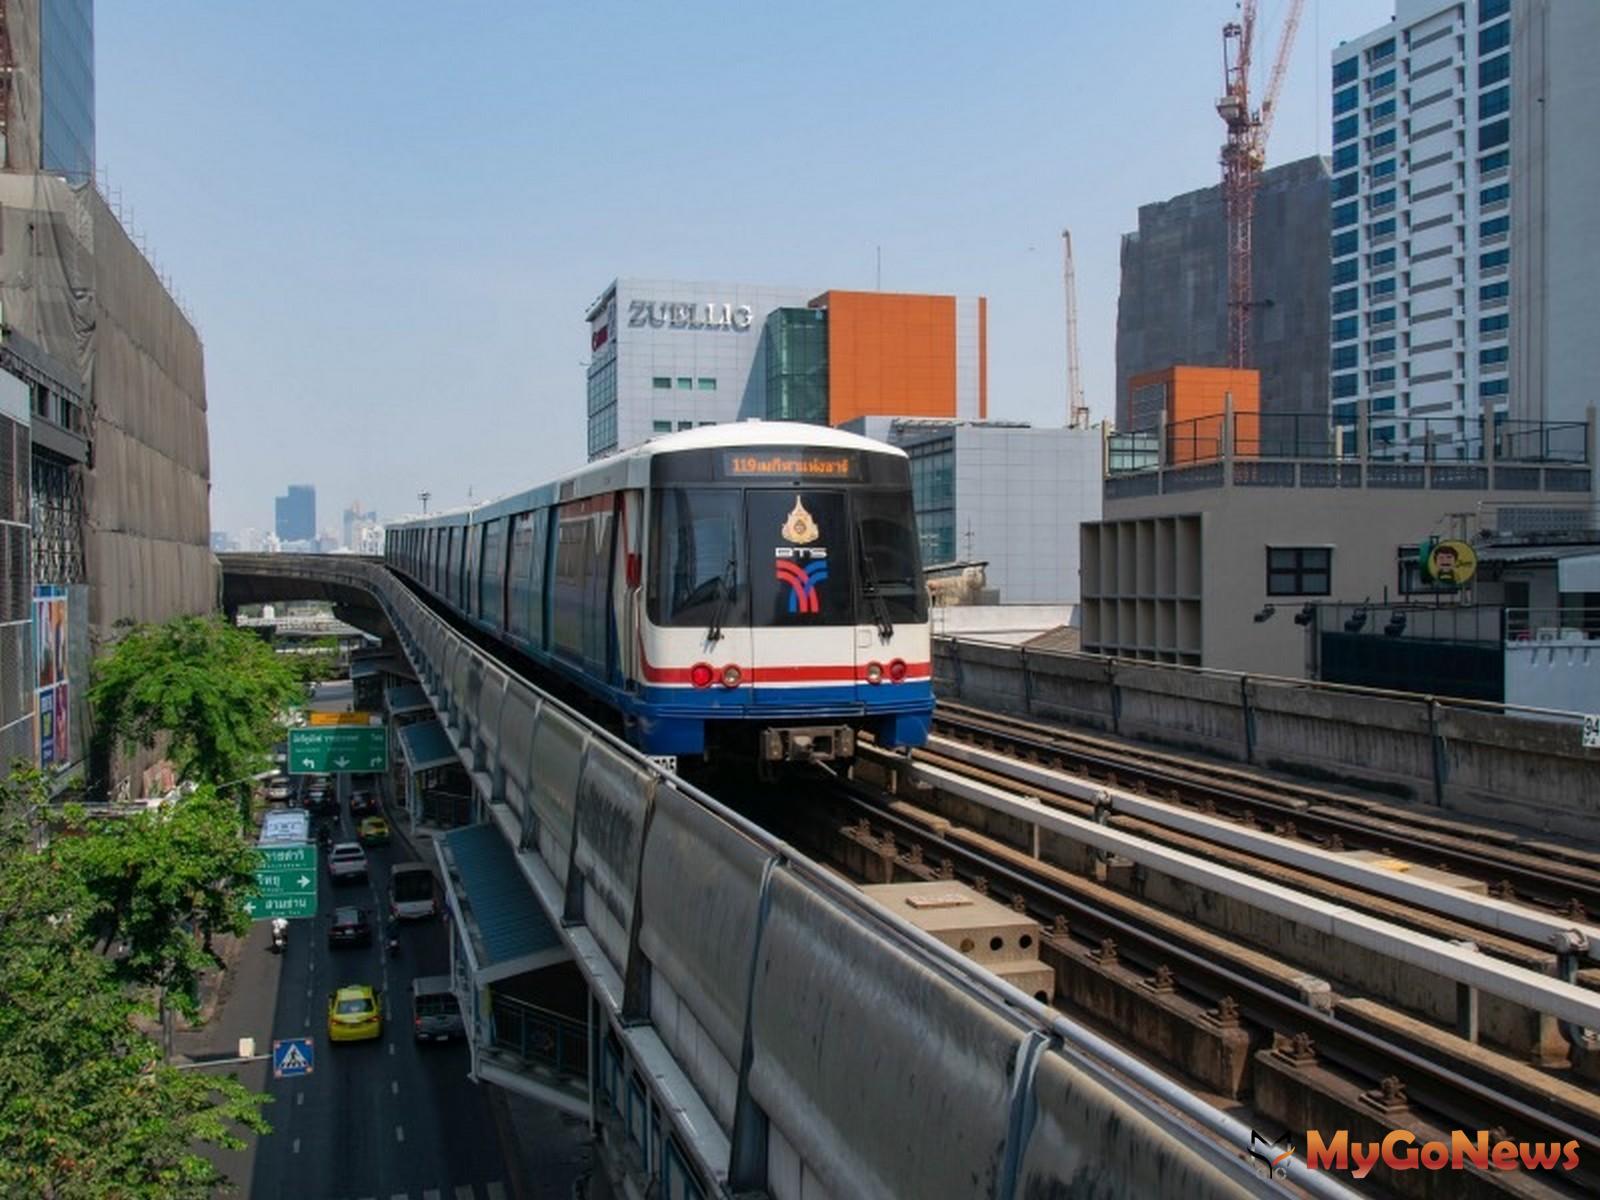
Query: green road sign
(287,883)
(338,748)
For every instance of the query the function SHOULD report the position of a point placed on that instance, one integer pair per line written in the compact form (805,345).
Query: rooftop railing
(1296,449)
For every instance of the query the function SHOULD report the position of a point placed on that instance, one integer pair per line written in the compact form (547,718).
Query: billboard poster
(50,658)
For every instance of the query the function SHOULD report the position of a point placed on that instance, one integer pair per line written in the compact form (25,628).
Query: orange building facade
(1193,400)
(891,354)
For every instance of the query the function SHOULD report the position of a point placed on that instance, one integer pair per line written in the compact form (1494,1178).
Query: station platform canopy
(405,700)
(388,664)
(504,929)
(426,746)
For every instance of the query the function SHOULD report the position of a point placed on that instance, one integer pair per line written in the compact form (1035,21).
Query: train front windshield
(787,556)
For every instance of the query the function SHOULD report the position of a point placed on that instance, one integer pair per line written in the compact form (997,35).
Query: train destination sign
(338,748)
(790,464)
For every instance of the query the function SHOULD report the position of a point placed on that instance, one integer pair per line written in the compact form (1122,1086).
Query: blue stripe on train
(671,720)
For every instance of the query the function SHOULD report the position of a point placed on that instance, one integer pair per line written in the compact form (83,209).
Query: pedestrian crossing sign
(291,1056)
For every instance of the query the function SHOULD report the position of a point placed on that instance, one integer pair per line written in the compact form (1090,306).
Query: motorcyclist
(280,932)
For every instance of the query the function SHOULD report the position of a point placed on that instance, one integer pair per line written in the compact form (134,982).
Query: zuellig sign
(682,314)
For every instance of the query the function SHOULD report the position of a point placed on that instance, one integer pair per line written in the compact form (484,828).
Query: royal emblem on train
(800,528)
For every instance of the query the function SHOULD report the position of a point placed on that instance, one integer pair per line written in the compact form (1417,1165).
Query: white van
(413,893)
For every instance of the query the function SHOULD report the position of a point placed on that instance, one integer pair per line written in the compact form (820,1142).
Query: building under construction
(111,371)
(1173,305)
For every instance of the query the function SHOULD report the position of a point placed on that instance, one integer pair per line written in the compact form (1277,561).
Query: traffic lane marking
(399,1133)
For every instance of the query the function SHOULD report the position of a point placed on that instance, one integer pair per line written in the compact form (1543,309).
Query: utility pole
(424,497)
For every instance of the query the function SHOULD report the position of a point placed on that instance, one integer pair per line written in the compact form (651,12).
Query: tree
(161,884)
(215,692)
(88,1110)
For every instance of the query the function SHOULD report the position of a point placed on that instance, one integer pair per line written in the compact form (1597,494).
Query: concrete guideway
(746,986)
(1552,932)
(1539,993)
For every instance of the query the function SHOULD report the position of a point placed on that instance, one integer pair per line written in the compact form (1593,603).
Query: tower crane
(1243,155)
(1077,410)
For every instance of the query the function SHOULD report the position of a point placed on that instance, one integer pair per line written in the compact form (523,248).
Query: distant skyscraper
(354,521)
(1465,237)
(295,514)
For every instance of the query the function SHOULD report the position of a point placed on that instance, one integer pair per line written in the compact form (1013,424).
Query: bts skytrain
(750,588)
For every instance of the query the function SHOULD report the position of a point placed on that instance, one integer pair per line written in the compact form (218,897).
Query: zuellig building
(668,355)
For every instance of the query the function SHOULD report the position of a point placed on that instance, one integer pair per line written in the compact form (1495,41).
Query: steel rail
(1451,1094)
(1554,880)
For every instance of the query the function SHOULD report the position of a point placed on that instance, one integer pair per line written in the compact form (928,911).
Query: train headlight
(731,676)
(897,670)
(874,673)
(701,675)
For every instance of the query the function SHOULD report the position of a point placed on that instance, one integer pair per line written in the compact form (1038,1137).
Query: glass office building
(66,85)
(295,514)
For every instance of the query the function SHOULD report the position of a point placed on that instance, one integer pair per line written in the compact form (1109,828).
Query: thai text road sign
(286,883)
(292,1056)
(342,718)
(343,748)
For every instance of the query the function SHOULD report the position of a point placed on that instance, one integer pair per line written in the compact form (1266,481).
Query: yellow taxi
(373,831)
(354,1014)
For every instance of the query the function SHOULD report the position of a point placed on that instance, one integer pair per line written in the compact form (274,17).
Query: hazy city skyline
(391,286)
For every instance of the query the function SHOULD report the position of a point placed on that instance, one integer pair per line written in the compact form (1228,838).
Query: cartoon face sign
(1452,562)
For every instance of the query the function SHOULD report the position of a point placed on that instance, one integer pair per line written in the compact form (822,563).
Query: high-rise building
(113,363)
(48,100)
(668,356)
(66,83)
(1172,308)
(1465,238)
(355,521)
(295,514)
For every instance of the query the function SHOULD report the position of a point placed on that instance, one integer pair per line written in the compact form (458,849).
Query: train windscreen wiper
(880,609)
(725,585)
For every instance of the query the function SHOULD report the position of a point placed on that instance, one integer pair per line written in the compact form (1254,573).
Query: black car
(363,804)
(350,927)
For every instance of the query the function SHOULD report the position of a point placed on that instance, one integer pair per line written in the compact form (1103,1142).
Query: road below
(386,1119)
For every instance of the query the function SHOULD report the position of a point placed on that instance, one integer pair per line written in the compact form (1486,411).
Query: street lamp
(424,497)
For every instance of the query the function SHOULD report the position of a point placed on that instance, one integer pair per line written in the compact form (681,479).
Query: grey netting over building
(89,297)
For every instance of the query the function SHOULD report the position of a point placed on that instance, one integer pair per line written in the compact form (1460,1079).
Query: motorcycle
(280,935)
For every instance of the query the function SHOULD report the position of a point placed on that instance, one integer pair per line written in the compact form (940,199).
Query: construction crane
(1077,410)
(1243,155)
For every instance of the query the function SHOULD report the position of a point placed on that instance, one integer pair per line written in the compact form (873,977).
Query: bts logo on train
(803,567)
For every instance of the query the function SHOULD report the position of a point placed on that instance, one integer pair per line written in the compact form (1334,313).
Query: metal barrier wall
(1524,765)
(796,1037)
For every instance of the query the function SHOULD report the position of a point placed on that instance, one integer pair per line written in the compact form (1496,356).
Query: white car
(347,862)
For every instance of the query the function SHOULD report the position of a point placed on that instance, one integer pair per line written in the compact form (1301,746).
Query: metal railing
(1566,623)
(1284,435)
(1542,441)
(537,1035)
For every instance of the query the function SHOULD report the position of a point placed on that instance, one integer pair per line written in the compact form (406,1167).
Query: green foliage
(163,883)
(215,691)
(87,1108)
(314,668)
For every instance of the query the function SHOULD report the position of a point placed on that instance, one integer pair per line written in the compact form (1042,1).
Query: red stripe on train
(848,673)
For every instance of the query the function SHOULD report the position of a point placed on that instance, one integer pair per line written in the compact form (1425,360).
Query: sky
(387,220)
